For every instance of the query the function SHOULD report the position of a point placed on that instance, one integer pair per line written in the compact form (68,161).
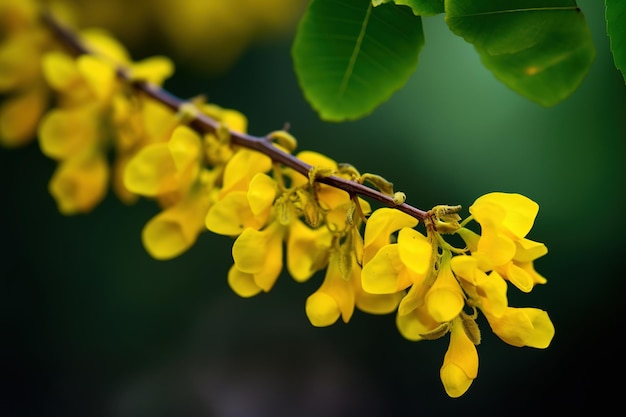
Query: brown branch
(204,124)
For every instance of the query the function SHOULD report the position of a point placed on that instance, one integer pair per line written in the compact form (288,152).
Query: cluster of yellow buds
(196,161)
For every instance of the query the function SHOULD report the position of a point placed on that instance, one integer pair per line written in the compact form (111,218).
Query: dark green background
(94,327)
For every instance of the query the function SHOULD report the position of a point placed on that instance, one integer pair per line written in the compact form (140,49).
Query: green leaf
(350,57)
(419,7)
(616,29)
(542,49)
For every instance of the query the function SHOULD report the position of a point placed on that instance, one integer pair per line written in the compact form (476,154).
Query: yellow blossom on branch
(300,212)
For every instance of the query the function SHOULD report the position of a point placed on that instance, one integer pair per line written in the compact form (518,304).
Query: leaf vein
(355,52)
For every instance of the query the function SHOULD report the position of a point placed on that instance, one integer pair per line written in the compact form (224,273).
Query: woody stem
(204,124)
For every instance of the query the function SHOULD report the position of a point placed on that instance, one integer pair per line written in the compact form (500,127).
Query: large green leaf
(419,7)
(350,57)
(542,49)
(616,28)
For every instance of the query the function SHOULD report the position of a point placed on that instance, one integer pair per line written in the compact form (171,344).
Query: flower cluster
(95,113)
(443,287)
(301,212)
(22,43)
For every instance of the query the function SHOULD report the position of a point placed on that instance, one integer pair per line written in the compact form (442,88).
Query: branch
(204,124)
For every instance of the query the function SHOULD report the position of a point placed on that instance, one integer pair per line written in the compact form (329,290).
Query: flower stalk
(205,124)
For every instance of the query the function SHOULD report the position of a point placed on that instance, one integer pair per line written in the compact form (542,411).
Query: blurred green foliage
(95,327)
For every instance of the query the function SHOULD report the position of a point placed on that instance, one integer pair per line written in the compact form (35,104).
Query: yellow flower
(222,29)
(174,230)
(173,173)
(79,183)
(241,168)
(460,364)
(23,42)
(159,169)
(379,228)
(504,219)
(19,116)
(260,254)
(523,327)
(389,268)
(488,291)
(444,299)
(64,133)
(242,283)
(335,298)
(520,270)
(396,266)
(93,102)
(307,250)
(415,322)
(365,301)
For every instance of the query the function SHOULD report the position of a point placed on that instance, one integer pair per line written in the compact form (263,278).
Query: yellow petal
(314,159)
(444,299)
(492,292)
(374,303)
(415,252)
(416,323)
(67,132)
(260,253)
(176,229)
(529,268)
(60,71)
(242,284)
(99,75)
(378,303)
(232,119)
(322,309)
(158,120)
(152,171)
(103,44)
(381,224)
(528,250)
(185,146)
(19,61)
(231,215)
(239,171)
(250,248)
(261,193)
(79,184)
(460,364)
(338,287)
(519,212)
(413,299)
(465,267)
(19,116)
(496,247)
(523,327)
(336,218)
(518,276)
(154,69)
(381,274)
(307,250)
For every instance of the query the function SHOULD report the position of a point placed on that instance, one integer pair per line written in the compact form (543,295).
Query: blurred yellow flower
(23,41)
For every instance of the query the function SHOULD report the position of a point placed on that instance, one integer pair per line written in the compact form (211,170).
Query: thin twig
(204,124)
